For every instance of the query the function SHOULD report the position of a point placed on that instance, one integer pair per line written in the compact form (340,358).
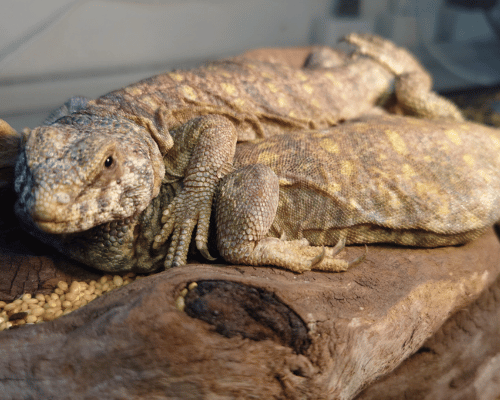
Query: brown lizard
(388,179)
(107,161)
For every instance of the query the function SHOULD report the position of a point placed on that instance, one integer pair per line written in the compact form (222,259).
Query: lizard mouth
(60,226)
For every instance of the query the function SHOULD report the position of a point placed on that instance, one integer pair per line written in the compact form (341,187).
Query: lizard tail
(10,142)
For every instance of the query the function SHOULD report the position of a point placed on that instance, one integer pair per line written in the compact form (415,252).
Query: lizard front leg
(202,154)
(246,206)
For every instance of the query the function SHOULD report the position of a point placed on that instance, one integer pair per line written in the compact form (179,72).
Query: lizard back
(261,98)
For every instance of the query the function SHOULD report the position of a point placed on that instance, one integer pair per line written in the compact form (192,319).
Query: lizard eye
(109,162)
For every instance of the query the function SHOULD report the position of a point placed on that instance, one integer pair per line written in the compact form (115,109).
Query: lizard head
(71,176)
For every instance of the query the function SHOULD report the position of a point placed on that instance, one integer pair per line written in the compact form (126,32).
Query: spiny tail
(10,142)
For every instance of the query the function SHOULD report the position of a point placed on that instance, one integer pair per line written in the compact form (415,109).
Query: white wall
(51,50)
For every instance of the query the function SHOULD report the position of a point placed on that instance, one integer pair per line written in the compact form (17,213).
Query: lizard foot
(246,207)
(413,86)
(295,255)
(325,57)
(188,210)
(397,59)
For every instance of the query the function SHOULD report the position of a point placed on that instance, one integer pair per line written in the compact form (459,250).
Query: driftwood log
(406,323)
(266,333)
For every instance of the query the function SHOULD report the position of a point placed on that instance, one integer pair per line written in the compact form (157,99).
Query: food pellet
(180,303)
(117,280)
(71,297)
(37,311)
(10,306)
(87,296)
(75,287)
(65,298)
(67,304)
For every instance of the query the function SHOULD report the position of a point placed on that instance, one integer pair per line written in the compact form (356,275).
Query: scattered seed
(40,297)
(10,306)
(34,309)
(71,296)
(180,303)
(67,304)
(75,287)
(117,280)
(38,311)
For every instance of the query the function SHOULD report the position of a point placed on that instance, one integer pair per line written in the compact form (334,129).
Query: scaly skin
(365,181)
(103,163)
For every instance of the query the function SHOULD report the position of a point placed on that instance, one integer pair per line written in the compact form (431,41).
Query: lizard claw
(283,235)
(189,210)
(358,260)
(167,228)
(339,246)
(320,257)
(204,252)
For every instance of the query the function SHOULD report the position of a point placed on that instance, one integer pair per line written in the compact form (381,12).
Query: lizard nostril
(62,197)
(47,207)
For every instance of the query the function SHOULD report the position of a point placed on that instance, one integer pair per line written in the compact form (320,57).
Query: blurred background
(53,49)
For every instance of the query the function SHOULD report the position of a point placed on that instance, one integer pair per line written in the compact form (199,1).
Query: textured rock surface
(460,361)
(361,324)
